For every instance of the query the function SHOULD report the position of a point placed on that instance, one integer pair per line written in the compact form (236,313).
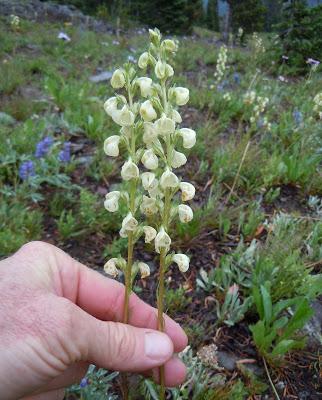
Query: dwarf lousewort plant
(147,111)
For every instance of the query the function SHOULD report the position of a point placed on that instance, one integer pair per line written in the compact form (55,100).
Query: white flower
(110,105)
(150,133)
(189,137)
(150,233)
(129,223)
(148,180)
(181,95)
(147,111)
(150,160)
(129,170)
(164,125)
(168,179)
(145,85)
(144,270)
(111,146)
(176,117)
(188,191)
(182,261)
(110,267)
(178,159)
(163,70)
(148,206)
(185,213)
(169,45)
(162,241)
(143,60)
(123,117)
(118,79)
(111,202)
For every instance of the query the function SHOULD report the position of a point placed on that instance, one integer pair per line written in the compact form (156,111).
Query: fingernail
(158,346)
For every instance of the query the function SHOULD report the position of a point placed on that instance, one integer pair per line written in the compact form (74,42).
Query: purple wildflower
(298,117)
(237,78)
(26,170)
(84,382)
(64,155)
(312,62)
(43,147)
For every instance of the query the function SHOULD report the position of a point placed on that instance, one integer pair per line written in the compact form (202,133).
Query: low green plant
(67,225)
(176,299)
(275,333)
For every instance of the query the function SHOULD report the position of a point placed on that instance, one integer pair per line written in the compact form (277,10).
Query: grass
(255,218)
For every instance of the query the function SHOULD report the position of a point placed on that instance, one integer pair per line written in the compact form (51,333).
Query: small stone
(227,360)
(103,76)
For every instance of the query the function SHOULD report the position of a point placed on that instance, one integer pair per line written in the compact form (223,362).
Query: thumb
(117,346)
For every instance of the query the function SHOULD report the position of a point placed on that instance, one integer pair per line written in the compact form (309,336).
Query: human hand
(56,316)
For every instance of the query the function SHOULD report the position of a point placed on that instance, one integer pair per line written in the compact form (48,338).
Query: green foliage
(299,34)
(19,224)
(175,300)
(248,14)
(274,333)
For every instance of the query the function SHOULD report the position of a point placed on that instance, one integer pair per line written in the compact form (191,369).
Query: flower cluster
(148,116)
(43,147)
(257,44)
(318,104)
(221,64)
(26,170)
(64,155)
(259,105)
(14,21)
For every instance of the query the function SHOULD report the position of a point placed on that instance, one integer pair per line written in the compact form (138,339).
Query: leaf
(283,347)
(267,304)
(302,314)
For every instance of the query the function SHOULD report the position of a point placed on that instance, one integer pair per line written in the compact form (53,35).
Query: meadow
(256,240)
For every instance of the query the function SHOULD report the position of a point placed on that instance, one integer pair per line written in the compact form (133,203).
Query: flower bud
(160,70)
(162,241)
(188,136)
(181,95)
(111,202)
(168,179)
(110,105)
(143,60)
(145,85)
(150,133)
(111,146)
(169,45)
(147,111)
(150,160)
(178,159)
(150,233)
(176,117)
(155,36)
(182,261)
(144,270)
(185,213)
(129,223)
(123,117)
(148,180)
(148,206)
(130,170)
(110,267)
(188,191)
(164,125)
(233,290)
(118,79)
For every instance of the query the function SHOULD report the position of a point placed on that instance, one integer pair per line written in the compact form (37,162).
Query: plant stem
(270,380)
(160,315)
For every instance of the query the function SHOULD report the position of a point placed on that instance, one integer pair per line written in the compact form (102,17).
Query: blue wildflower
(298,117)
(43,147)
(26,170)
(64,155)
(237,78)
(84,382)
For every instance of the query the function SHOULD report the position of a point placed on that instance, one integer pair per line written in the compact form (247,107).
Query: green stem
(160,316)
(270,380)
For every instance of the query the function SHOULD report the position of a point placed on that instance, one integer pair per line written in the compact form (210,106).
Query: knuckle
(34,247)
(122,343)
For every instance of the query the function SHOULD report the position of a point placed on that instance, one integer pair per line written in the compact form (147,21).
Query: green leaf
(302,314)
(267,304)
(283,347)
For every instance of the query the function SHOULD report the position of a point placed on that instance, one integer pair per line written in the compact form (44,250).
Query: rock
(313,328)
(40,11)
(103,76)
(6,119)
